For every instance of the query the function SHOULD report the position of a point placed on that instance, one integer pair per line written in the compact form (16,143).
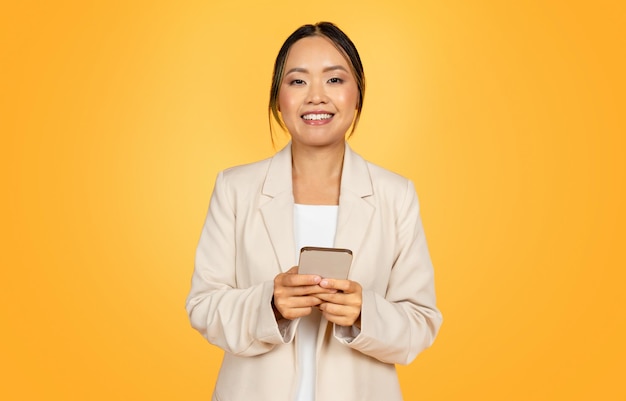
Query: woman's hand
(296,294)
(344,306)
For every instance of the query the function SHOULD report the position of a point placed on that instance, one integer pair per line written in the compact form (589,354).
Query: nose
(316,94)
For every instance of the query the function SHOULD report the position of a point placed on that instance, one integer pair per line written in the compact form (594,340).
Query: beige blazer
(248,238)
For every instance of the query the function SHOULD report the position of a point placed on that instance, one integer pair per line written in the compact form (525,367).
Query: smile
(317,117)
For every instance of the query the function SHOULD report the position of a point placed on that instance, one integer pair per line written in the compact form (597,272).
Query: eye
(335,80)
(296,82)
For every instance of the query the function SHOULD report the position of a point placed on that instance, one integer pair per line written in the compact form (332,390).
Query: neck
(326,162)
(316,174)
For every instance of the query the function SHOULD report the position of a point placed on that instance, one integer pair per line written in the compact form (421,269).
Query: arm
(396,327)
(238,320)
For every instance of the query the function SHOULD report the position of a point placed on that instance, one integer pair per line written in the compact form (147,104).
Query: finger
(339,310)
(304,290)
(287,307)
(346,286)
(338,315)
(340,299)
(332,309)
(297,302)
(295,313)
(296,280)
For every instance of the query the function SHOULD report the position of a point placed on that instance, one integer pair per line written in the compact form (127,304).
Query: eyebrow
(326,69)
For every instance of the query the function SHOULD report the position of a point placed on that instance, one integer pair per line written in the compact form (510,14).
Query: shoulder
(241,182)
(383,180)
(253,175)
(392,187)
(388,188)
(246,173)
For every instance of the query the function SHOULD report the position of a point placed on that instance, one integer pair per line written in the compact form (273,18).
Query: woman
(291,336)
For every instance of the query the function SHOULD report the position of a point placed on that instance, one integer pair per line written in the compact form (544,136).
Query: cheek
(355,97)
(283,100)
(351,97)
(287,102)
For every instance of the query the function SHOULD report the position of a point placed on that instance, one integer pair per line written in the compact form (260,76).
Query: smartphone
(325,262)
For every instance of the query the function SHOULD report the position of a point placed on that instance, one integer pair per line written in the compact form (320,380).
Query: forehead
(315,51)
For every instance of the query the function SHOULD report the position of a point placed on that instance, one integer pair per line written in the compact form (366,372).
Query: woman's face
(318,94)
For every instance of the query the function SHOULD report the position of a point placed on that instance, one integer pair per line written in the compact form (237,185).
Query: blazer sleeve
(238,320)
(396,327)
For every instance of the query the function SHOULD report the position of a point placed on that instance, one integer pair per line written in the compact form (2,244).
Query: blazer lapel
(355,209)
(354,219)
(277,208)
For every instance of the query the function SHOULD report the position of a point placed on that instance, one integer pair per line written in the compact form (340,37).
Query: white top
(314,225)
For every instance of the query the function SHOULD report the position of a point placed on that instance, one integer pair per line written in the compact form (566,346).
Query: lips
(317,116)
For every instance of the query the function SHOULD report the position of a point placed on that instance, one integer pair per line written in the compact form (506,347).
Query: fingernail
(324,283)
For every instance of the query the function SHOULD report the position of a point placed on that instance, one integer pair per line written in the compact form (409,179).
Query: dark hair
(341,41)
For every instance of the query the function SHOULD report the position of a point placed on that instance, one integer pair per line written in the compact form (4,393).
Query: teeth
(317,116)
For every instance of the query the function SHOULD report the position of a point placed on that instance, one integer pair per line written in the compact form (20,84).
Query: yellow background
(116,116)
